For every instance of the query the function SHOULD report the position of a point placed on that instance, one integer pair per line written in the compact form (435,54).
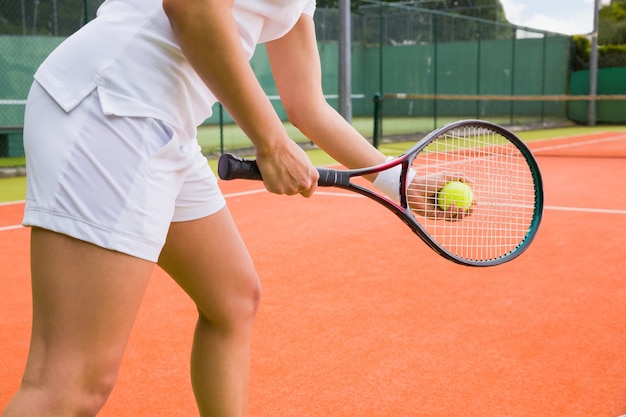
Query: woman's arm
(297,72)
(209,38)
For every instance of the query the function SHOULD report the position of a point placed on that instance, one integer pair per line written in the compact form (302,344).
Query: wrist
(388,181)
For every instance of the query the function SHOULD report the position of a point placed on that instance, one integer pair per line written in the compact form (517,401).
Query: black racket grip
(232,167)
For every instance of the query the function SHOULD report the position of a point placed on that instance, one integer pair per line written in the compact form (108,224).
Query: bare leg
(85,300)
(208,259)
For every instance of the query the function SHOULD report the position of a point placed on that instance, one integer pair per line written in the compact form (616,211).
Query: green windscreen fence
(611,81)
(396,49)
(495,67)
(19,58)
(29,30)
(433,67)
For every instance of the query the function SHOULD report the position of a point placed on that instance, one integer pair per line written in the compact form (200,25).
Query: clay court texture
(360,318)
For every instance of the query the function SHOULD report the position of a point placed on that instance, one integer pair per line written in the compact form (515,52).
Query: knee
(251,301)
(95,392)
(236,311)
(81,395)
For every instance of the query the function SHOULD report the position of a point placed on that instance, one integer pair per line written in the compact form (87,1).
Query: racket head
(505,180)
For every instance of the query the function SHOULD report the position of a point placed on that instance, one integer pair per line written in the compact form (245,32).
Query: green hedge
(609,56)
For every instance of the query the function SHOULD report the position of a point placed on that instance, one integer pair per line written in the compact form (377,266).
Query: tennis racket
(504,177)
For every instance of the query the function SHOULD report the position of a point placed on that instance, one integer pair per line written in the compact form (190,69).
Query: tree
(611,38)
(485,9)
(612,19)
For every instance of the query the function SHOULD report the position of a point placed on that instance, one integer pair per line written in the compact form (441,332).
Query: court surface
(360,318)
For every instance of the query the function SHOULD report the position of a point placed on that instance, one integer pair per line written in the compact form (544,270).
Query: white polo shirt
(131,56)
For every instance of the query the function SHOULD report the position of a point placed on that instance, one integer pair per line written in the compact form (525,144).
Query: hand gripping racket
(504,177)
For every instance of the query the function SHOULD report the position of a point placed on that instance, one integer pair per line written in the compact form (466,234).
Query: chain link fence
(45,17)
(29,30)
(407,24)
(433,66)
(396,48)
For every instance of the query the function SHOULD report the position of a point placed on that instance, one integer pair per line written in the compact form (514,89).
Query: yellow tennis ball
(457,193)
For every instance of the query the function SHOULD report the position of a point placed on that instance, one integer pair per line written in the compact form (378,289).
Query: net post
(378,103)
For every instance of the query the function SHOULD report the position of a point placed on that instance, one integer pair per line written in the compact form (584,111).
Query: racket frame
(342,179)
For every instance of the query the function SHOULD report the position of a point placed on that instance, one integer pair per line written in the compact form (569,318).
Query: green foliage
(18,161)
(484,9)
(611,39)
(614,11)
(612,56)
(581,51)
(612,24)
(608,55)
(418,21)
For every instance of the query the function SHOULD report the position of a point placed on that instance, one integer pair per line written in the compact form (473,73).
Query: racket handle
(231,167)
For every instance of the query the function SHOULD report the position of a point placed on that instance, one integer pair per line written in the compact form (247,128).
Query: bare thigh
(209,260)
(85,301)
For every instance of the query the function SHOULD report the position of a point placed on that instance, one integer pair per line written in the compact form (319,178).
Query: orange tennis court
(360,318)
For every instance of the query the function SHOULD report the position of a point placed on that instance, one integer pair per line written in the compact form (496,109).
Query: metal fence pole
(378,118)
(478,66)
(513,60)
(23,17)
(221,127)
(593,67)
(381,40)
(345,61)
(543,74)
(435,27)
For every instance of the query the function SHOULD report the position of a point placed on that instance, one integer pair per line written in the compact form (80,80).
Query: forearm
(331,132)
(297,72)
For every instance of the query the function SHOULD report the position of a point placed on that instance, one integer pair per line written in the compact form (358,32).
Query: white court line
(260,190)
(578,135)
(15,226)
(349,195)
(574,144)
(10,203)
(585,210)
(355,195)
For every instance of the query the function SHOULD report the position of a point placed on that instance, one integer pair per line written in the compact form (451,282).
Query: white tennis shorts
(117,182)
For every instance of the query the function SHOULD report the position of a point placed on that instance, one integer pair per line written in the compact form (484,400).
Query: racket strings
(503,187)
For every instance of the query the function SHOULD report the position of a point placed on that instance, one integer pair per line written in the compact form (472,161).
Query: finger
(312,186)
(309,192)
(453,213)
(457,176)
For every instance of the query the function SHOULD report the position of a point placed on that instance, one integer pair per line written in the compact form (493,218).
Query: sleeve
(309,9)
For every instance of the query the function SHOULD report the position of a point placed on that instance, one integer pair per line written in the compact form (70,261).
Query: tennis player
(117,183)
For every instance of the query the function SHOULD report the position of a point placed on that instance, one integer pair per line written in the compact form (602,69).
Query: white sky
(573,17)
